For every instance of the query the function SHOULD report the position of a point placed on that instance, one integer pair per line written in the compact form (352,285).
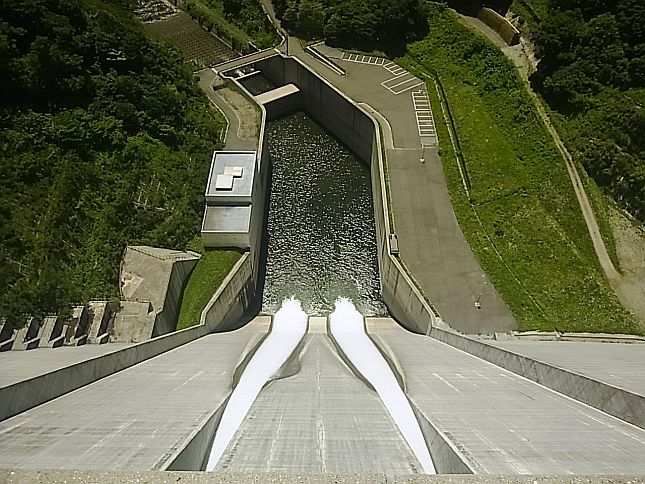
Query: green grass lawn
(210,271)
(523,220)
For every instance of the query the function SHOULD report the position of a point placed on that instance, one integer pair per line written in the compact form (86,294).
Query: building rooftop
(230,181)
(227,219)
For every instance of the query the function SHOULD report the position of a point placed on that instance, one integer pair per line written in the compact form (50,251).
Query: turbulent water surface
(322,240)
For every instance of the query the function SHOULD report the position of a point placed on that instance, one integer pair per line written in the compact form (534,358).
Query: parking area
(402,83)
(401,80)
(363,59)
(425,120)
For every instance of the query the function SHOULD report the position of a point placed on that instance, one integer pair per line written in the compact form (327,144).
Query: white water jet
(347,328)
(288,329)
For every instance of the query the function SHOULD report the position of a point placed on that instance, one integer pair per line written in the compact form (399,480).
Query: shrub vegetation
(213,266)
(374,24)
(237,21)
(592,74)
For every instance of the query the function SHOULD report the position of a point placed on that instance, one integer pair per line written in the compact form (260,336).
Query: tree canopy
(592,72)
(104,140)
(365,24)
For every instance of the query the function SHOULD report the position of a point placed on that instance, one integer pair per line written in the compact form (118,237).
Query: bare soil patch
(630,249)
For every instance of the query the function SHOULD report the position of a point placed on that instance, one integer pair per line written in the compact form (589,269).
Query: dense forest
(591,71)
(104,140)
(368,25)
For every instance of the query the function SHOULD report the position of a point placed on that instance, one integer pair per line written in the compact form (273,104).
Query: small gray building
(229,199)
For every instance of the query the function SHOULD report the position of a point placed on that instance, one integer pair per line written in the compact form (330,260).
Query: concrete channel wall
(194,455)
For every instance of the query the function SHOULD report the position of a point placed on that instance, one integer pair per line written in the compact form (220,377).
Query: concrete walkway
(323,419)
(236,115)
(432,245)
(617,364)
(134,419)
(503,423)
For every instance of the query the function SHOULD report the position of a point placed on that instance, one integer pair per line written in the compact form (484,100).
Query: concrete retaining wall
(166,320)
(499,24)
(615,401)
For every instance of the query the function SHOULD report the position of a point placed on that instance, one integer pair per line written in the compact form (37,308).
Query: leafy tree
(592,72)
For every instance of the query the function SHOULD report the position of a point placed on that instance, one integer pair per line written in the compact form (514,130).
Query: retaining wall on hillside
(499,24)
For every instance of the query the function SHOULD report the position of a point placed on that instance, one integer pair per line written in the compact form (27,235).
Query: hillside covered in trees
(104,140)
(592,73)
(371,24)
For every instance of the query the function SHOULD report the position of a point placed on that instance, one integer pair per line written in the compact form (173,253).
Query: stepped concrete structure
(486,408)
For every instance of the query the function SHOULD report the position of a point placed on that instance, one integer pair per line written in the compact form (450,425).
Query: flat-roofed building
(230,181)
(226,226)
(229,195)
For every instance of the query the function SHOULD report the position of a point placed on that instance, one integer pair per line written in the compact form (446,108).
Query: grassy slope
(548,273)
(207,276)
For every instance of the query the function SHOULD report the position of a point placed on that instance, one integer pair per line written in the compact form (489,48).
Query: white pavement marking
(362,59)
(425,120)
(407,88)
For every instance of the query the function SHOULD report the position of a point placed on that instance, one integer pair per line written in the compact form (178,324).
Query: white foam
(347,328)
(289,327)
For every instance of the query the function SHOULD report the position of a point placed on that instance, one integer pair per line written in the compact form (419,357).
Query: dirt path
(243,118)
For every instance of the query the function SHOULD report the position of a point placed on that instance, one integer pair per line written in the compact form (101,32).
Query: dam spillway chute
(348,330)
(288,328)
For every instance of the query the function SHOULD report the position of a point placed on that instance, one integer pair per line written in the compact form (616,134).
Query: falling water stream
(288,328)
(347,328)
